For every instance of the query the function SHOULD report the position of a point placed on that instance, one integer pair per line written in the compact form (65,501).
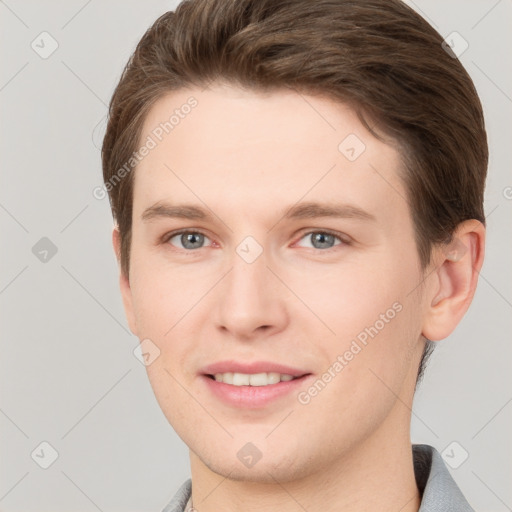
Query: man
(297,188)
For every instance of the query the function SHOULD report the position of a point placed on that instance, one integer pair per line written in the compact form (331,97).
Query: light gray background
(68,374)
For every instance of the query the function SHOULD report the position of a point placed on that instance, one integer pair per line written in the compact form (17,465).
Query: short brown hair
(378,56)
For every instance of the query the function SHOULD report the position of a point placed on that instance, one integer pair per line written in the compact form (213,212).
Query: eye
(322,239)
(188,240)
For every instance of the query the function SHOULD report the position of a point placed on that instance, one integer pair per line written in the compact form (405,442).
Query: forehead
(247,149)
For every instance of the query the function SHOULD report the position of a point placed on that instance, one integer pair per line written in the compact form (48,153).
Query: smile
(252,379)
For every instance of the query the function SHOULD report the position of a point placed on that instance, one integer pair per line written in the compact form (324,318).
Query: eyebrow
(184,211)
(310,210)
(305,210)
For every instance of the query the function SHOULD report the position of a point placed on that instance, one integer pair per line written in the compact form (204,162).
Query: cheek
(349,297)
(366,372)
(167,301)
(370,321)
(164,294)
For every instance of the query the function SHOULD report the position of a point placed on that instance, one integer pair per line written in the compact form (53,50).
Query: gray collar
(437,486)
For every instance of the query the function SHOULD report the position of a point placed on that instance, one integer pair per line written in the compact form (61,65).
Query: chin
(267,470)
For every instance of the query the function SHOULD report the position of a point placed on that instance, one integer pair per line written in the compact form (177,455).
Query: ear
(124,283)
(454,280)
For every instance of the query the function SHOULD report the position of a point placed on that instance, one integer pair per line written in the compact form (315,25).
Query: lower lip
(252,397)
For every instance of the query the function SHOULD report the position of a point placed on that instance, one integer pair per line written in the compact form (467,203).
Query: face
(272,229)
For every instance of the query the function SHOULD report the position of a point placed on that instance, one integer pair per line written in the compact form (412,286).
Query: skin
(249,157)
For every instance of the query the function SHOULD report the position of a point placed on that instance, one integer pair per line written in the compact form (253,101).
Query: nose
(251,300)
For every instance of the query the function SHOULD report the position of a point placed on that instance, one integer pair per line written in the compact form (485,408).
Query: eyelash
(342,238)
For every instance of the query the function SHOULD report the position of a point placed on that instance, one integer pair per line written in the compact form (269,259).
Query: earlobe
(124,283)
(454,280)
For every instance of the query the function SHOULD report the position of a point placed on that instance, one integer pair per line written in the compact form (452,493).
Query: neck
(376,475)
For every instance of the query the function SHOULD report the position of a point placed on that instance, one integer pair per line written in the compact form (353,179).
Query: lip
(252,397)
(253,367)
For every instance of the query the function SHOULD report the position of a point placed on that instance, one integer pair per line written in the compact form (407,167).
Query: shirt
(438,489)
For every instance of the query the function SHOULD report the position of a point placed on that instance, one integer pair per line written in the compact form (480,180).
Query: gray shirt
(439,492)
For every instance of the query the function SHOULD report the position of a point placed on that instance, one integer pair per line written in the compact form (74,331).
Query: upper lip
(251,368)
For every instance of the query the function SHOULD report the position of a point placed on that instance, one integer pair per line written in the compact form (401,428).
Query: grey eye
(188,240)
(321,240)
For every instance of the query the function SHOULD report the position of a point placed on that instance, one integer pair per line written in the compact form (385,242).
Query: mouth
(237,372)
(253,379)
(250,390)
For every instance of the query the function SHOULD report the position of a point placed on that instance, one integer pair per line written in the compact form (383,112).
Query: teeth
(255,379)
